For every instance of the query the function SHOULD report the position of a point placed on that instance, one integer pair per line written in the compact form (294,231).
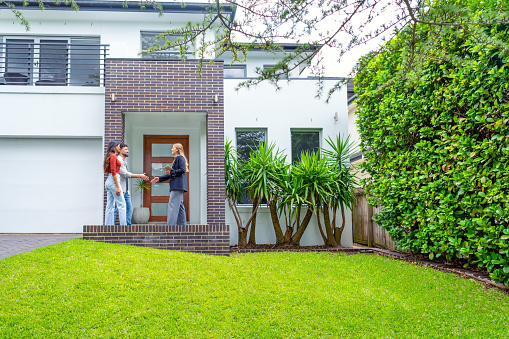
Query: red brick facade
(208,239)
(171,86)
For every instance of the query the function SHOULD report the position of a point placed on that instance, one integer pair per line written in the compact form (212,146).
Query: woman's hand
(154,180)
(118,191)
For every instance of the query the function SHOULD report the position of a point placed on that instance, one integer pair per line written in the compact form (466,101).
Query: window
(247,140)
(304,140)
(51,61)
(85,62)
(18,60)
(149,38)
(235,71)
(282,74)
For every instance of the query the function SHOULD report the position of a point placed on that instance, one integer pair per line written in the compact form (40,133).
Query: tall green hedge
(436,142)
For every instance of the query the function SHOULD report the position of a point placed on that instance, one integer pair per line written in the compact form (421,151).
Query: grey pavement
(11,244)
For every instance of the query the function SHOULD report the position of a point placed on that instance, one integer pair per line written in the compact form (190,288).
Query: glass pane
(161,189)
(157,169)
(85,62)
(159,209)
(234,71)
(53,61)
(162,150)
(304,141)
(19,59)
(247,140)
(148,39)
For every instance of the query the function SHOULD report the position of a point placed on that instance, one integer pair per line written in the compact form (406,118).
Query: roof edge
(118,6)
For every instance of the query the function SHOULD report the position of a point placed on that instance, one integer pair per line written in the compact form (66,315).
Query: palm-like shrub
(317,183)
(262,174)
(339,159)
(234,188)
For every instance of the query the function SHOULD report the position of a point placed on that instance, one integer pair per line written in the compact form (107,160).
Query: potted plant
(141,214)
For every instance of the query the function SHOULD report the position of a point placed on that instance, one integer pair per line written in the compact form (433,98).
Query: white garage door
(50,185)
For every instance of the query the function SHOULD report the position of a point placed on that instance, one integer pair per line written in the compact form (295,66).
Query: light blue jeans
(112,200)
(176,209)
(128,208)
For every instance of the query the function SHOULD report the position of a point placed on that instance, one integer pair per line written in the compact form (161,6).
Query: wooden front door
(156,155)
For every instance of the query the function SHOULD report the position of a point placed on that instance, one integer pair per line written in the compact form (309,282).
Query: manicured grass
(83,289)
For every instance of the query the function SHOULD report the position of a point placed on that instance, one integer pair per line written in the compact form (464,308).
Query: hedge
(436,144)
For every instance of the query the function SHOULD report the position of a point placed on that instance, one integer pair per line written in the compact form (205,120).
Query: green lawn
(82,289)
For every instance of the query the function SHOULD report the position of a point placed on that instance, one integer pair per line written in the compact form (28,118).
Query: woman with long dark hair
(178,186)
(115,196)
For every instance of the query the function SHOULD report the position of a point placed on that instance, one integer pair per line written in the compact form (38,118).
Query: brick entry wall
(171,86)
(208,239)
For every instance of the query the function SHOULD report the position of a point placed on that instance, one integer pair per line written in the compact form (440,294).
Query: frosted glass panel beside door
(162,150)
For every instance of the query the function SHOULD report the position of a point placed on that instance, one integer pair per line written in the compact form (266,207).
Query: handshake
(167,169)
(154,180)
(147,178)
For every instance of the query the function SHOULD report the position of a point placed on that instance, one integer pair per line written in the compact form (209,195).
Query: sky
(333,66)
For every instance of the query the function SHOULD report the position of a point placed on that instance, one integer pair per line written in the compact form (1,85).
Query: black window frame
(317,148)
(244,199)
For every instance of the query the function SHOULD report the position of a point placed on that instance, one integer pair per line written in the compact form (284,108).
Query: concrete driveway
(11,244)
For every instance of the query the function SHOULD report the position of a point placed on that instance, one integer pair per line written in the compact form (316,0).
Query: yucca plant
(234,188)
(338,158)
(317,184)
(291,201)
(262,173)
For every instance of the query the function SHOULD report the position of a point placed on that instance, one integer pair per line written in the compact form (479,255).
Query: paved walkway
(11,244)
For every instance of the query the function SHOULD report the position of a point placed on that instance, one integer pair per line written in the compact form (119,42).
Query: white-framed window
(304,140)
(247,140)
(50,60)
(235,71)
(149,38)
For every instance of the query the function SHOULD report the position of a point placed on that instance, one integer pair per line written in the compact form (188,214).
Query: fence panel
(365,230)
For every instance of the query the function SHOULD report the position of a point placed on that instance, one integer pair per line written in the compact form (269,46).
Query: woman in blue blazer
(178,185)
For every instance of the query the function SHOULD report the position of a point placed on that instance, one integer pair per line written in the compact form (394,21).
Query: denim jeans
(176,209)
(112,200)
(128,209)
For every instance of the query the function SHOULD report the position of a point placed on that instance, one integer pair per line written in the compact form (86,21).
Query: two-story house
(77,80)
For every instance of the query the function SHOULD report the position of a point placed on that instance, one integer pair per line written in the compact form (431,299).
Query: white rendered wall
(121,30)
(295,106)
(52,112)
(352,124)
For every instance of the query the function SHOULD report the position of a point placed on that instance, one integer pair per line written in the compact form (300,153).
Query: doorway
(156,155)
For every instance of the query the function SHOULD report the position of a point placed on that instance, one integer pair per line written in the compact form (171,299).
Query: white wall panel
(50,185)
(33,111)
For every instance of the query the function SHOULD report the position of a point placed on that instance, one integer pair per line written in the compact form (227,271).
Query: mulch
(477,274)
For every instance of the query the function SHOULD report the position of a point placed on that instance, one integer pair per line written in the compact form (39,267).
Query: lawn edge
(480,277)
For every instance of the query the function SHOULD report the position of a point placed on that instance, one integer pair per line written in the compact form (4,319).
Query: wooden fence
(365,230)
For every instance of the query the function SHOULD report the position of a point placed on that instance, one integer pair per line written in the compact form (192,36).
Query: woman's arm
(118,190)
(113,167)
(164,177)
